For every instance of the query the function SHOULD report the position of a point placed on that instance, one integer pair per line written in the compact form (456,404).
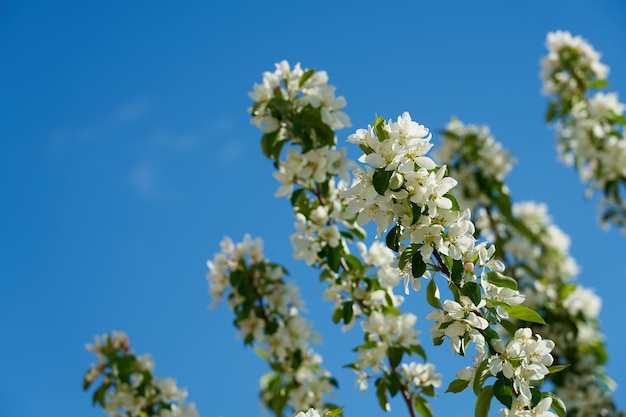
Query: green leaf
(503,391)
(392,238)
(419,350)
(334,413)
(428,390)
(501,281)
(551,112)
(347,311)
(423,407)
(524,313)
(278,105)
(620,119)
(418,266)
(405,256)
(100,394)
(380,180)
(86,383)
(261,352)
(509,326)
(557,404)
(457,271)
(457,385)
(557,368)
(416,212)
(395,355)
(353,262)
(381,394)
(482,373)
(483,402)
(432,294)
(535,396)
(332,256)
(393,383)
(473,291)
(455,203)
(379,128)
(305,76)
(490,335)
(268,141)
(597,83)
(337,314)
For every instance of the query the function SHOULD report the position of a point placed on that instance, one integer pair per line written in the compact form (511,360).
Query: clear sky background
(127,154)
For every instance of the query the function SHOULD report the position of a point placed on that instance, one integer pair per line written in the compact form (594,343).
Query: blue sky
(128,154)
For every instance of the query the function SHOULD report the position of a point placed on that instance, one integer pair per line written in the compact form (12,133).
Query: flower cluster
(267,313)
(407,193)
(537,254)
(314,166)
(472,153)
(523,359)
(589,128)
(408,187)
(564,52)
(314,175)
(297,88)
(129,389)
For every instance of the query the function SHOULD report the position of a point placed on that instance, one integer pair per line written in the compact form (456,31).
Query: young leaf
(524,313)
(381,394)
(305,76)
(337,315)
(334,413)
(455,203)
(419,350)
(423,407)
(557,368)
(483,402)
(501,281)
(432,294)
(405,256)
(509,326)
(482,373)
(267,143)
(557,404)
(379,128)
(457,385)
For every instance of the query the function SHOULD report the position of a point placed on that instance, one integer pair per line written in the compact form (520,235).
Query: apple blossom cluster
(565,52)
(525,358)
(403,185)
(406,192)
(537,255)
(313,174)
(571,309)
(589,127)
(128,388)
(267,313)
(301,89)
(472,153)
(408,196)
(298,105)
